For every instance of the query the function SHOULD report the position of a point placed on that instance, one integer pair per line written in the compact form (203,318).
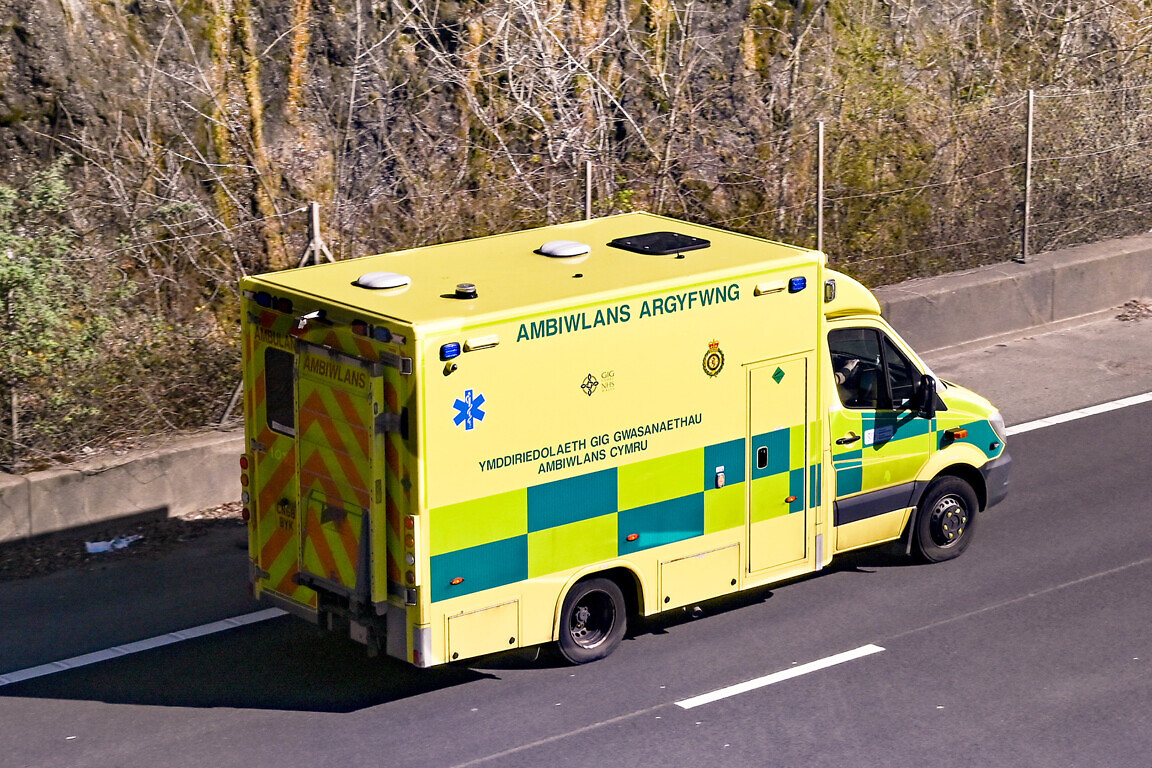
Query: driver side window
(856,366)
(870,371)
(902,376)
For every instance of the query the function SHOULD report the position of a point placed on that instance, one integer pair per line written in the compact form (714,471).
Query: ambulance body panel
(502,443)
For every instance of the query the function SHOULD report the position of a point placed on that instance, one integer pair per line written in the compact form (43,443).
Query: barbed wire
(977,241)
(1095,153)
(1095,213)
(1040,94)
(922,187)
(930,249)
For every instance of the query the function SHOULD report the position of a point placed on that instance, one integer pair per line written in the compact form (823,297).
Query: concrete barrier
(191,473)
(980,304)
(201,471)
(15,508)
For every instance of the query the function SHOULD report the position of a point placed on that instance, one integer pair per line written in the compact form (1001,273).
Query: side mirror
(926,397)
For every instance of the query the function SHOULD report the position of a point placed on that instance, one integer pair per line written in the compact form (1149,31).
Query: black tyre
(592,621)
(945,520)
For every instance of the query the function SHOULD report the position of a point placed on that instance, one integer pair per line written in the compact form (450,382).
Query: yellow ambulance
(532,437)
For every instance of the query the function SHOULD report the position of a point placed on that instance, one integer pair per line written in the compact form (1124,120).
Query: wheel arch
(966,472)
(962,470)
(630,582)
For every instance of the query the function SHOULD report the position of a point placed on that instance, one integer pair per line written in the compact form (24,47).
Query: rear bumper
(996,478)
(271,599)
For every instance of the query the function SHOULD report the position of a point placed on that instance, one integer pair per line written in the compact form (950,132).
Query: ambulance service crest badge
(713,359)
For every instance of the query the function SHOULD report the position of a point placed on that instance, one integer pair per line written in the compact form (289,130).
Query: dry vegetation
(155,151)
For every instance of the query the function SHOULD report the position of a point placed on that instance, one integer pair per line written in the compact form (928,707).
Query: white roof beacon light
(378,280)
(564,249)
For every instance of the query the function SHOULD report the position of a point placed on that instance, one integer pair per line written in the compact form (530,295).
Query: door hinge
(393,422)
(402,364)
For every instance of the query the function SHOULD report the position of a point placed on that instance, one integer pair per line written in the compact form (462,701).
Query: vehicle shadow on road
(864,561)
(281,664)
(286,664)
(548,657)
(889,555)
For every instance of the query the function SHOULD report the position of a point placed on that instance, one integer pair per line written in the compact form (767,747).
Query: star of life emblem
(468,410)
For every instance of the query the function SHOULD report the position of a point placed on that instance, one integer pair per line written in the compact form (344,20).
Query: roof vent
(660,243)
(377,280)
(563,249)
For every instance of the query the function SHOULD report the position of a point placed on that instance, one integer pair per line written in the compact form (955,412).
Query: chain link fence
(982,197)
(901,201)
(902,198)
(952,200)
(1092,167)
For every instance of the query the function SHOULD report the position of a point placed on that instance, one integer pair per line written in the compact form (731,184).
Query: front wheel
(946,520)
(592,621)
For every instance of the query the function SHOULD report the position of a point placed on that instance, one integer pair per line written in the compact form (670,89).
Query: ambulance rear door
(338,450)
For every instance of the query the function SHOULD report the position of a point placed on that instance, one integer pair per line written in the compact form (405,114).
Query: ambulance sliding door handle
(848,440)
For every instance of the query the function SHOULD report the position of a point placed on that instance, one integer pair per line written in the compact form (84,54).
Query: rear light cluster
(245,496)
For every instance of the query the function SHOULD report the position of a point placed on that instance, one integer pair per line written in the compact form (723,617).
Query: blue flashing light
(797,284)
(264,299)
(380,333)
(450,350)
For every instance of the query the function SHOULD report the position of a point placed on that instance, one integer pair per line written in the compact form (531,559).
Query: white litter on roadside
(110,546)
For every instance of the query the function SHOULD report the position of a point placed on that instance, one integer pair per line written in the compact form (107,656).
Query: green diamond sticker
(778,376)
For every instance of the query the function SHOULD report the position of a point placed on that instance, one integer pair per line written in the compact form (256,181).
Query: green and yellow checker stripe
(782,476)
(980,434)
(561,525)
(851,474)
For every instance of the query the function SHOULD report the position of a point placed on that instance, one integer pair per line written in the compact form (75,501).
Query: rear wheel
(592,621)
(946,520)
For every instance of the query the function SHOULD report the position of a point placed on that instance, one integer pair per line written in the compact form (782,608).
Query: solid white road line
(141,645)
(776,677)
(1080,413)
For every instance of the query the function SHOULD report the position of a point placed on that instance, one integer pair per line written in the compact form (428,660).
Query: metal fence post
(1024,245)
(316,248)
(820,185)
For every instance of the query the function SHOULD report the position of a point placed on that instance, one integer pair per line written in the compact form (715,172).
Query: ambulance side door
(879,441)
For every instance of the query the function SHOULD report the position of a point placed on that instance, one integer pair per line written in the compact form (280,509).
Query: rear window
(278,391)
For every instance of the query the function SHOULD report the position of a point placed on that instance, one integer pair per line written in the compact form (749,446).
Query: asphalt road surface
(1033,649)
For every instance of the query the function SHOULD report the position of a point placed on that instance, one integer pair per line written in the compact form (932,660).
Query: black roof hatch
(660,243)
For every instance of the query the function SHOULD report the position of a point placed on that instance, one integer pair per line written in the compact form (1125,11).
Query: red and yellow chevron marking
(364,347)
(334,434)
(274,321)
(274,542)
(349,442)
(276,532)
(331,548)
(310,491)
